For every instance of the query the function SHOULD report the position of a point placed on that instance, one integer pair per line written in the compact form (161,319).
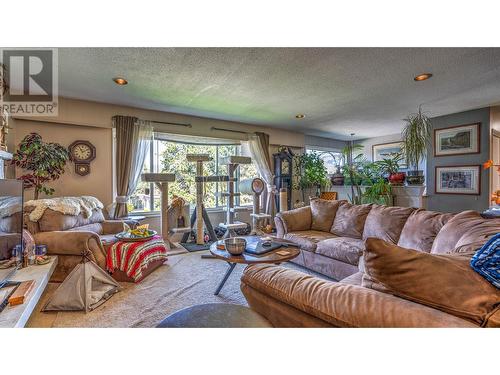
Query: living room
(250,185)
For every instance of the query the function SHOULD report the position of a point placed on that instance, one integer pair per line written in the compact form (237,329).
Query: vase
(415,177)
(337,178)
(397,178)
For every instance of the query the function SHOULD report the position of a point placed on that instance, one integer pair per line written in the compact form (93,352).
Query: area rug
(184,280)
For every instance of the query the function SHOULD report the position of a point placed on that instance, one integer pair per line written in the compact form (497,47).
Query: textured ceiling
(366,91)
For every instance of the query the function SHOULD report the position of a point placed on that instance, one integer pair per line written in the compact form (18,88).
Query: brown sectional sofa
(332,236)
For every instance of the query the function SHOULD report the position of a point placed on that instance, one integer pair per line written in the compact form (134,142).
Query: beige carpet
(184,280)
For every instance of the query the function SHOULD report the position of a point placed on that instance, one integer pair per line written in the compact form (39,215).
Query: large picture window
(331,158)
(168,155)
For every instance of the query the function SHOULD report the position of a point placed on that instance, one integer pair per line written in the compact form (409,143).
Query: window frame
(218,205)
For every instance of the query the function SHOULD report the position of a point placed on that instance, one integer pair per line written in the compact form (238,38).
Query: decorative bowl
(129,237)
(235,245)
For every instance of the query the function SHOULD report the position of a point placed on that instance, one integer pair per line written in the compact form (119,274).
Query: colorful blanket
(486,261)
(133,257)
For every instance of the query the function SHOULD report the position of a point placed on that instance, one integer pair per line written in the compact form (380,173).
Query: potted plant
(415,137)
(391,168)
(380,193)
(45,161)
(313,172)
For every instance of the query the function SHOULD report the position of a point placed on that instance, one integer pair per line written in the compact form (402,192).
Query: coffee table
(272,258)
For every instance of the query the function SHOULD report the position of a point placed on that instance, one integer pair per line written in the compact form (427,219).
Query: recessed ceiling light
(423,77)
(300,116)
(120,81)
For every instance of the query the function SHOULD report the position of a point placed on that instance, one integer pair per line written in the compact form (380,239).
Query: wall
(369,142)
(456,203)
(92,121)
(321,142)
(99,182)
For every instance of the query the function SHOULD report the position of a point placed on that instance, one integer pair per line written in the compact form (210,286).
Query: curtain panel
(133,139)
(259,149)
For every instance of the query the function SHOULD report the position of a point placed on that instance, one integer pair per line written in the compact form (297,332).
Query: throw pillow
(323,212)
(444,282)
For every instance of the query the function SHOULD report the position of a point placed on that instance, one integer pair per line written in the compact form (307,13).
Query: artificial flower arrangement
(495,197)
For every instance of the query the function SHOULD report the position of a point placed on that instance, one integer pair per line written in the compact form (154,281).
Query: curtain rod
(229,130)
(171,123)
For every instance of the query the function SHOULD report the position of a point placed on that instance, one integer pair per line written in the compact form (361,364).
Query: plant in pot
(390,167)
(380,192)
(416,135)
(45,161)
(312,171)
(352,170)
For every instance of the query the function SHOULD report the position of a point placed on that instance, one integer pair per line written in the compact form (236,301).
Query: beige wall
(84,120)
(99,182)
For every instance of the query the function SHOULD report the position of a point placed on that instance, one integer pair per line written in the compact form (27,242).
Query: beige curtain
(133,139)
(259,148)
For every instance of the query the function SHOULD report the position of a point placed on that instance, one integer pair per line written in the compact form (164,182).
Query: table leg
(226,276)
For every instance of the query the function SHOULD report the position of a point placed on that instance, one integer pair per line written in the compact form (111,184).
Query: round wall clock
(82,153)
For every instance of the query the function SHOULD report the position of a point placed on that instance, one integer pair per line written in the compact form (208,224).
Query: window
(331,158)
(168,155)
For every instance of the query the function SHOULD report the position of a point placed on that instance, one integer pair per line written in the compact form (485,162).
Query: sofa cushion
(354,279)
(297,219)
(449,235)
(95,228)
(307,239)
(444,282)
(475,237)
(345,249)
(53,220)
(341,304)
(323,212)
(386,222)
(421,229)
(350,220)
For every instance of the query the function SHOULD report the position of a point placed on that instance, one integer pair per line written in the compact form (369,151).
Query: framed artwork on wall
(462,179)
(384,150)
(457,140)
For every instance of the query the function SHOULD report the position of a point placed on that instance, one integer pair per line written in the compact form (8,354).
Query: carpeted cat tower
(87,287)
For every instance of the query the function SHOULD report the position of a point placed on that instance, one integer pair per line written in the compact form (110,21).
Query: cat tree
(232,162)
(200,215)
(161,180)
(255,187)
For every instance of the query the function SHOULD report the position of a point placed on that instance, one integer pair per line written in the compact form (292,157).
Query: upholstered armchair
(70,236)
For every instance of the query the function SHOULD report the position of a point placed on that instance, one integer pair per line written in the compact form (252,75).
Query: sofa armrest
(340,304)
(72,243)
(293,220)
(112,226)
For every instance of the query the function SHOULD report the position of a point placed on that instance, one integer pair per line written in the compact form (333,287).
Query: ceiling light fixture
(300,116)
(120,81)
(422,77)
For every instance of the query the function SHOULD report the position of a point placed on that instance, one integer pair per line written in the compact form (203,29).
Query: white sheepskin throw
(65,205)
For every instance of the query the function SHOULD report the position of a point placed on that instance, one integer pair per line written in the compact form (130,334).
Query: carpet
(184,280)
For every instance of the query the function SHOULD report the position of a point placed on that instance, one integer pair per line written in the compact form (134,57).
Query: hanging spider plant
(416,136)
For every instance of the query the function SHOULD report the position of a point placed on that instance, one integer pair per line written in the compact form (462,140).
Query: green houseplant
(390,168)
(312,172)
(44,161)
(416,135)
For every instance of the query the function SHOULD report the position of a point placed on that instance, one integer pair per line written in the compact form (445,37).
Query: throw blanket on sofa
(133,257)
(486,261)
(65,205)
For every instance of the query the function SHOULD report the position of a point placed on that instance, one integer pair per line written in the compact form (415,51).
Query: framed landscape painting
(465,179)
(457,140)
(384,150)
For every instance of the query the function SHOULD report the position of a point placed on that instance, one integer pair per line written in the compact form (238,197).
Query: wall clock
(82,153)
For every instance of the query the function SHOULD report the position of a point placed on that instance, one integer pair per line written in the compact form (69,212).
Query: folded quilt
(486,261)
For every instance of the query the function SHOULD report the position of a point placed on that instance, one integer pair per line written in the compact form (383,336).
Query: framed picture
(457,140)
(464,179)
(384,150)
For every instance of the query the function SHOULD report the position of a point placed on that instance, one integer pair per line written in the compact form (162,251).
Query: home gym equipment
(200,215)
(232,162)
(255,187)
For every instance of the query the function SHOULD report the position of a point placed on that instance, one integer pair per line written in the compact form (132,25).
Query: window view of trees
(330,158)
(170,157)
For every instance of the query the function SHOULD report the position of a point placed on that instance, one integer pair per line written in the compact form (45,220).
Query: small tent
(86,287)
